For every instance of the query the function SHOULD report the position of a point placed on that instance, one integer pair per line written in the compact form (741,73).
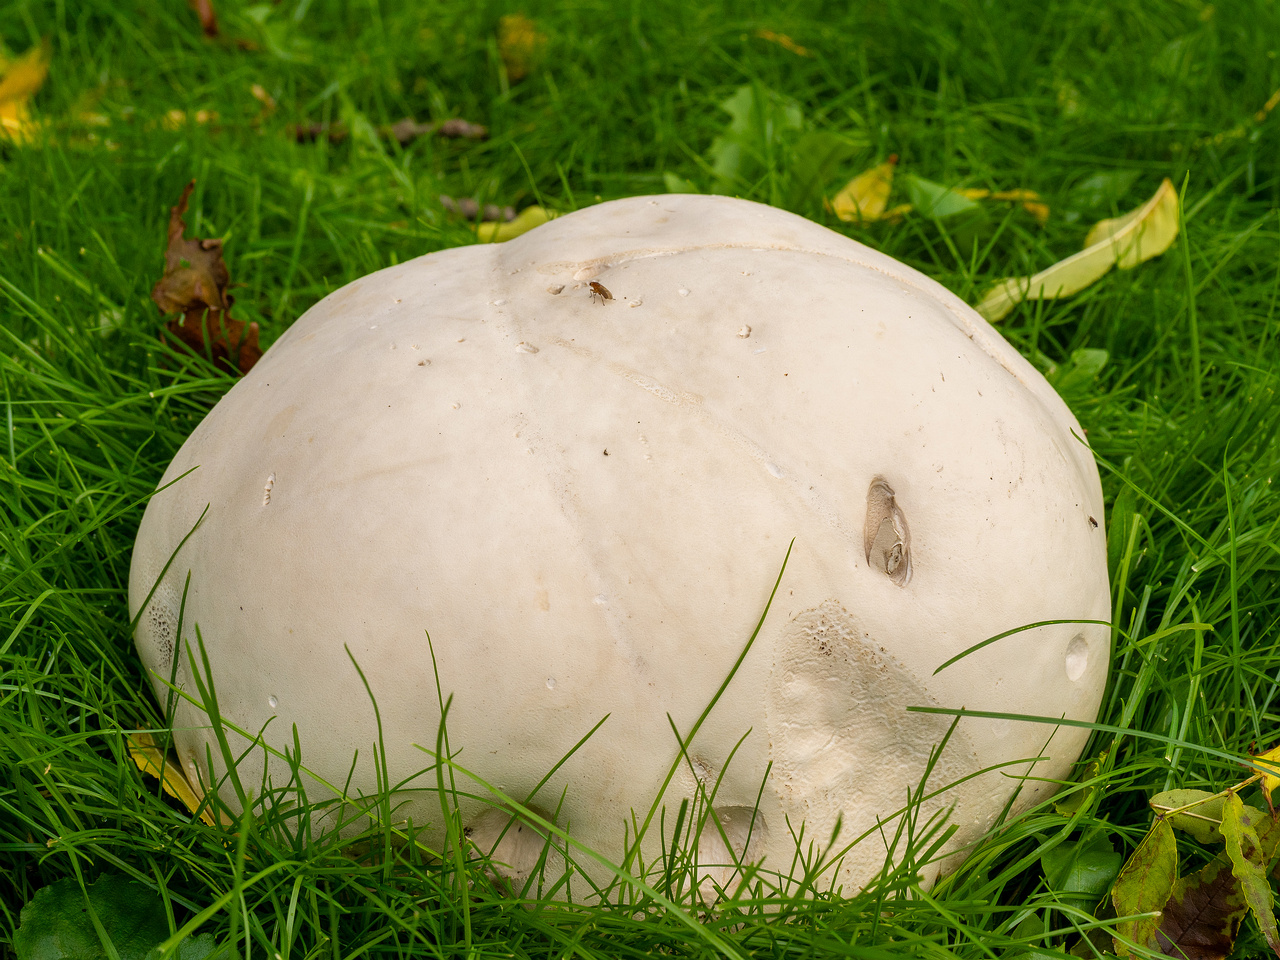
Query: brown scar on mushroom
(885,536)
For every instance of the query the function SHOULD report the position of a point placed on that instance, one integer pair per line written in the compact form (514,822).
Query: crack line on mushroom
(965,325)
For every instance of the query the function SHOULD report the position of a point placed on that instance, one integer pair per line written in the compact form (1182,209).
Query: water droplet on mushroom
(497,303)
(760,350)
(272,702)
(1077,660)
(683,292)
(523,347)
(744,331)
(373,326)
(885,536)
(636,303)
(551,683)
(266,489)
(600,600)
(454,406)
(555,288)
(774,469)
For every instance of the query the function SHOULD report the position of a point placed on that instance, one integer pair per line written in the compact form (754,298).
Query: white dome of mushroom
(586,502)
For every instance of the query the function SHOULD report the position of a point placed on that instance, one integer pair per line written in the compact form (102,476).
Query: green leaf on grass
(815,159)
(1074,801)
(1081,872)
(1079,372)
(1201,819)
(1123,516)
(761,118)
(1144,885)
(1249,865)
(678,184)
(1202,916)
(933,199)
(1102,189)
(59,923)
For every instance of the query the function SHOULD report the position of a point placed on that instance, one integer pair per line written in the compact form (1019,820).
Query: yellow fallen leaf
(177,119)
(1272,102)
(526,220)
(22,78)
(519,43)
(146,754)
(1270,780)
(864,198)
(1122,241)
(782,40)
(1029,199)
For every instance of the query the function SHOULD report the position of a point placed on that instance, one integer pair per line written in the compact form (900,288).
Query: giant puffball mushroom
(586,501)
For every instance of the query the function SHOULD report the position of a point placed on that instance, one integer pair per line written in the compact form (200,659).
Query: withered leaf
(784,41)
(208,19)
(194,286)
(19,81)
(526,220)
(470,209)
(1203,914)
(1249,865)
(146,753)
(519,43)
(402,131)
(1269,765)
(1144,884)
(1122,242)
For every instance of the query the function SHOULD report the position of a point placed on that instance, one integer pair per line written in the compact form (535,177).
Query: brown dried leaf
(194,285)
(208,19)
(403,131)
(1203,915)
(469,208)
(463,129)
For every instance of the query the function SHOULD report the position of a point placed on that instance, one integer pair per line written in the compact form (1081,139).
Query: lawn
(283,121)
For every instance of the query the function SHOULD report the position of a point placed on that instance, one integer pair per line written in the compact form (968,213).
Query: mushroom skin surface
(586,503)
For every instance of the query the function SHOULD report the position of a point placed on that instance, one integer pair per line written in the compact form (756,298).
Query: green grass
(1184,416)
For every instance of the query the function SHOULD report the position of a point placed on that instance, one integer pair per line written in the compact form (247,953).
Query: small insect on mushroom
(599,292)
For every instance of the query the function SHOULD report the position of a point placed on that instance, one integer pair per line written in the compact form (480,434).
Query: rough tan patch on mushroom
(843,741)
